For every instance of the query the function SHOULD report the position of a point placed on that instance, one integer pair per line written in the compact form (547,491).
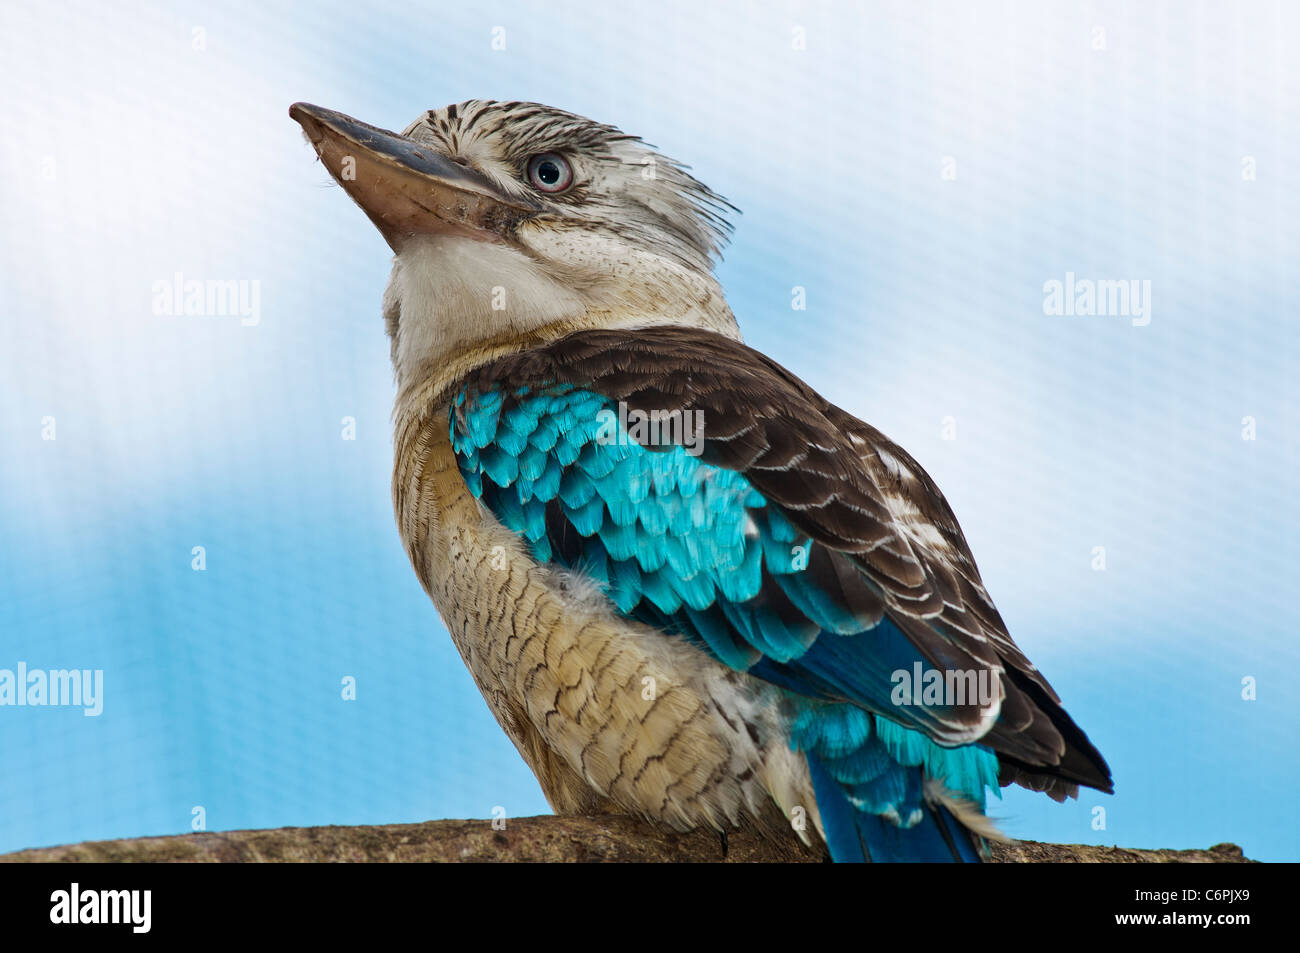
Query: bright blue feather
(688,547)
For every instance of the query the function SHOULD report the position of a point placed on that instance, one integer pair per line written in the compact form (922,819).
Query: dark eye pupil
(548,172)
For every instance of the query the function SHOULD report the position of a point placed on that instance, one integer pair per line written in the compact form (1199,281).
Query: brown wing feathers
(894,543)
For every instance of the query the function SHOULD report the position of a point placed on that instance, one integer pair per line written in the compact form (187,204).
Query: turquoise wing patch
(695,550)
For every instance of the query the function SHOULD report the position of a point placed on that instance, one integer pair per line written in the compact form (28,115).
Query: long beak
(405,187)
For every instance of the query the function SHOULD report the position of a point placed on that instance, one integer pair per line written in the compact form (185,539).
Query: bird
(689,588)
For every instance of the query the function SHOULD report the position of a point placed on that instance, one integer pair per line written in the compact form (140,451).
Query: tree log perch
(604,839)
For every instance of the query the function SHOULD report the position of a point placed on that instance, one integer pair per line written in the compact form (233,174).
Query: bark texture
(602,839)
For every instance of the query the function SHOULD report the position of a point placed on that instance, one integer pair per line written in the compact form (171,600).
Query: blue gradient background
(130,156)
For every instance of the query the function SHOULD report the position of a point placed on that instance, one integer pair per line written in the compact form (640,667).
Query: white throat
(450,296)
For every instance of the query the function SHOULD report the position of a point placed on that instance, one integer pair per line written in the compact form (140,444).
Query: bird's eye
(550,172)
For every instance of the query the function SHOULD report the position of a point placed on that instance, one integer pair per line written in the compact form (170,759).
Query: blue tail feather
(856,836)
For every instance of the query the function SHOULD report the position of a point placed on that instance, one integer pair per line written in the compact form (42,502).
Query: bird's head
(515,222)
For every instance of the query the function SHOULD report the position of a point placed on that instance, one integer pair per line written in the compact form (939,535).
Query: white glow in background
(130,155)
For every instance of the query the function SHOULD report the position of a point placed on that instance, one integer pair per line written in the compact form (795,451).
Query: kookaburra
(688,587)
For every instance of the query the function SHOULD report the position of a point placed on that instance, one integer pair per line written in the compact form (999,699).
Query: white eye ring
(549,172)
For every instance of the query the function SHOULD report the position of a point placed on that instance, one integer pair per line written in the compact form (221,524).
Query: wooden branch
(606,838)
